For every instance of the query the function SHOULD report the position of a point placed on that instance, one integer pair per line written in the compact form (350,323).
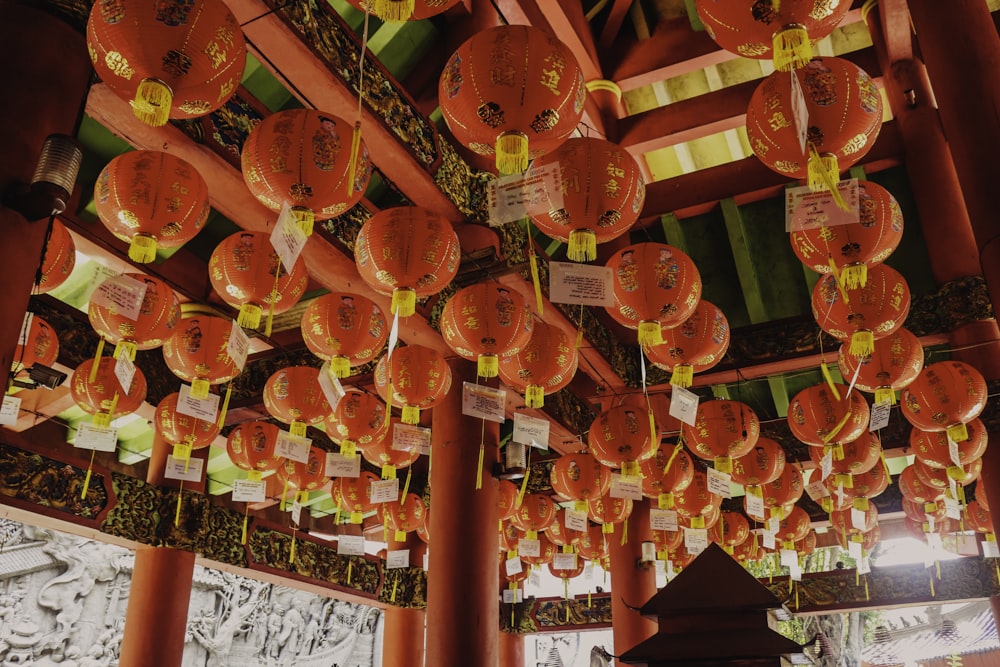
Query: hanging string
(356,135)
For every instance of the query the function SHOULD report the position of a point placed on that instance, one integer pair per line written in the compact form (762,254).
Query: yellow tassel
(855,275)
(94,367)
(582,246)
(305,218)
(665,501)
(180,498)
(847,481)
(796,585)
(958,432)
(298,428)
(411,414)
(352,168)
(654,433)
(524,480)
(868,596)
(199,388)
(956,473)
(624,532)
(838,451)
(535,280)
(488,366)
(829,381)
(824,174)
(340,366)
(650,333)
(724,464)
(479,467)
(399,536)
(395,585)
(225,406)
(884,394)
(152,102)
(350,568)
(885,464)
(142,249)
(534,396)
(86,479)
(933,594)
(388,471)
(673,455)
(832,263)
(590,601)
(512,153)
(776,6)
(683,375)
(394,11)
(832,435)
(357,518)
(861,504)
(291,550)
(128,346)
(792,48)
(246,521)
(249,316)
(406,484)
(607,528)
(284,491)
(404,300)
(862,343)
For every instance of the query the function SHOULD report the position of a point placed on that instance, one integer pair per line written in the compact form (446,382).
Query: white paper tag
(575,520)
(427,560)
(864,565)
(858,519)
(22,338)
(393,338)
(204,409)
(795,572)
(89,436)
(581,284)
(10,410)
(952,509)
(238,346)
(408,437)
(338,465)
(826,465)
(695,540)
(350,545)
(880,416)
(124,370)
(513,566)
(563,561)
(529,548)
(537,191)
(385,490)
(588,571)
(934,542)
(768,540)
(626,487)
(663,520)
(854,549)
(186,470)
(397,559)
(287,238)
(513,595)
(292,447)
(966,545)
(122,294)
(297,509)
(483,402)
(245,491)
(953,453)
(774,525)
(808,210)
(800,112)
(683,405)
(531,431)
(515,455)
(330,385)
(789,557)
(991,549)
(718,483)
(755,506)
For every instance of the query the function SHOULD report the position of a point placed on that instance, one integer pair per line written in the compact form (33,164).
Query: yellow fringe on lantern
(883,394)
(340,366)
(683,376)
(352,167)
(399,536)
(152,102)
(512,153)
(394,11)
(607,528)
(650,333)
(956,473)
(665,501)
(847,481)
(958,432)
(357,518)
(861,504)
(792,48)
(582,246)
(388,471)
(411,414)
(534,396)
(854,275)
(724,464)
(697,522)
(862,343)
(102,420)
(249,316)
(305,218)
(297,428)
(94,367)
(824,174)
(129,347)
(199,388)
(488,366)
(404,301)
(142,249)
(838,452)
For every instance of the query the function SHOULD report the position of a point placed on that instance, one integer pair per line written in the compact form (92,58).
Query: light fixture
(53,180)
(43,376)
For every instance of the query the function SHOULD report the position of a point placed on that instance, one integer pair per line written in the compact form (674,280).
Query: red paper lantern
(59,259)
(394,11)
(247,273)
(807,545)
(620,437)
(874,311)
(603,193)
(696,499)
(354,495)
(918,511)
(507,494)
(784,491)
(779,30)
(593,546)
(916,490)
(762,464)
(345,329)
(158,317)
(658,480)
(722,430)
(868,539)
(301,158)
(484,321)
(894,364)
(546,552)
(418,376)
(152,200)
(104,395)
(854,247)
(748,551)
(251,446)
(535,513)
(979,517)
(559,534)
(380,452)
(360,418)
(667,540)
(794,526)
(567,574)
(544,365)
(698,344)
(197,352)
(41,346)
(655,285)
(509,536)
(731,529)
(946,396)
(308,476)
(870,484)
(167,59)
(707,520)
(981,491)
(408,252)
(293,396)
(513,91)
(178,428)
(941,479)
(818,417)
(405,515)
(933,450)
(609,511)
(580,476)
(851,458)
(845,115)
(423,531)
(842,521)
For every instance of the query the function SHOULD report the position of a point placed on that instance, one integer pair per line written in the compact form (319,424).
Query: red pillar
(511,650)
(632,583)
(403,638)
(464,620)
(45,84)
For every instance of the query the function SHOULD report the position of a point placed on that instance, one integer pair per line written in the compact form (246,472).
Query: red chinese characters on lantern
(484,321)
(620,437)
(419,378)
(722,430)
(697,344)
(944,397)
(158,317)
(293,396)
(251,446)
(545,364)
(345,329)
(762,464)
(197,352)
(894,364)
(580,476)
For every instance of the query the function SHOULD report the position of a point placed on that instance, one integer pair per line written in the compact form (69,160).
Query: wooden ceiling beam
(896,29)
(613,24)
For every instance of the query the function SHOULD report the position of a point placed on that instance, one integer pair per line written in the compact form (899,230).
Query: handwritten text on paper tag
(204,409)
(238,346)
(626,487)
(408,437)
(531,431)
(292,447)
(581,284)
(663,520)
(511,198)
(350,545)
(806,209)
(684,405)
(10,410)
(287,238)
(385,491)
(90,436)
(338,465)
(121,293)
(397,559)
(718,483)
(483,402)
(245,491)
(186,470)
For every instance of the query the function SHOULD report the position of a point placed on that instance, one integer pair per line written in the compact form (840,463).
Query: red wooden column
(45,82)
(511,649)
(464,617)
(632,583)
(157,613)
(403,638)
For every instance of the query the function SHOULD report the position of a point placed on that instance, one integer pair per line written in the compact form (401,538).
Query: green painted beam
(858,173)
(673,232)
(720,391)
(779,392)
(400,47)
(749,281)
(693,17)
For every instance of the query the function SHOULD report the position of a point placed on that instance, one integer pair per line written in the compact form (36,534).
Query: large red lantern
(794,525)
(864,314)
(247,273)
(722,430)
(394,11)
(167,59)
(655,285)
(197,352)
(512,91)
(818,417)
(546,552)
(945,397)
(559,534)
(354,494)
(380,452)
(782,30)
(762,464)
(842,520)
(301,158)
(545,364)
(404,515)
(59,259)
(784,491)
(178,428)
(869,484)
(853,247)
(593,546)
(418,376)
(659,480)
(748,551)
(293,396)
(602,191)
(731,530)
(851,458)
(103,396)
(41,345)
(845,115)
(696,499)
(580,476)
(698,344)
(484,321)
(408,252)
(932,447)
(941,479)
(566,575)
(308,476)
(979,517)
(609,511)
(251,446)
(894,364)
(152,200)
(916,490)
(360,418)
(158,317)
(707,519)
(345,329)
(620,438)
(536,512)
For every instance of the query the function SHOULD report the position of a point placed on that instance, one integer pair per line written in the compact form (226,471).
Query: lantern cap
(249,316)
(404,301)
(792,48)
(512,153)
(582,245)
(394,11)
(142,249)
(152,102)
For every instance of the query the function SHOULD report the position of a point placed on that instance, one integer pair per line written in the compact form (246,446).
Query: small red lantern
(603,194)
(251,446)
(408,252)
(696,499)
(535,513)
(818,417)
(41,345)
(609,511)
(722,430)
(546,552)
(731,530)
(59,259)
(794,525)
(698,344)
(509,536)
(870,484)
(178,428)
(655,285)
(293,396)
(394,11)
(748,551)
(919,511)
(807,545)
(916,490)
(979,517)
(151,199)
(418,376)
(620,438)
(708,519)
(308,476)
(593,546)
(784,491)
(345,329)
(513,91)
(301,158)
(158,317)
(932,447)
(946,396)
(380,452)
(359,418)
(565,575)
(354,495)
(894,364)
(559,534)
(667,540)
(483,321)
(404,515)
(762,464)
(941,479)
(865,314)
(842,521)
(247,273)
(580,476)
(658,480)
(507,494)
(197,352)
(851,458)
(545,364)
(104,396)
